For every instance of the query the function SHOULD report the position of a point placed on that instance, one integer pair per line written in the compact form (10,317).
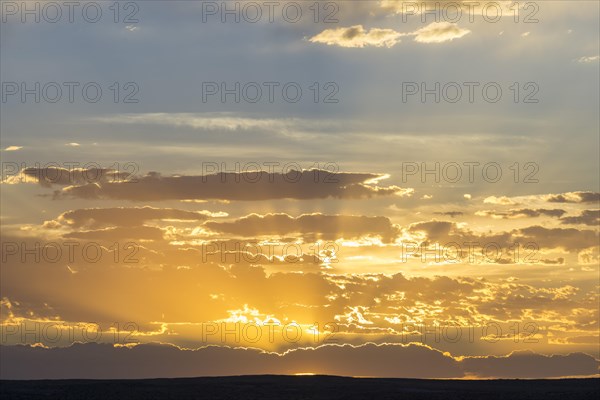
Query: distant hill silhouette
(282,387)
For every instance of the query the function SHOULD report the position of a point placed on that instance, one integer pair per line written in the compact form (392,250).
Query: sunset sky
(362,188)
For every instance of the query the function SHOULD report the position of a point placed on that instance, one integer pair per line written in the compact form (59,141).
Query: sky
(378,188)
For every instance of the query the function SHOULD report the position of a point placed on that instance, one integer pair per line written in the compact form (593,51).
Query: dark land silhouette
(283,387)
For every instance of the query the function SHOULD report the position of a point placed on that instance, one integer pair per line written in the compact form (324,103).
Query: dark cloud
(526,364)
(102,361)
(315,226)
(126,216)
(451,214)
(259,185)
(548,261)
(574,197)
(570,239)
(50,176)
(445,232)
(587,217)
(522,213)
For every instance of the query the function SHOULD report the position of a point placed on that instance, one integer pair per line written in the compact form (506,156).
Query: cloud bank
(102,361)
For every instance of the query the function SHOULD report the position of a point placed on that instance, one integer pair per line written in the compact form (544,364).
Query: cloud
(451,214)
(162,276)
(503,200)
(588,339)
(315,226)
(13,148)
(578,197)
(357,36)
(574,197)
(119,233)
(588,59)
(248,253)
(521,213)
(244,186)
(587,217)
(526,364)
(100,291)
(103,361)
(219,121)
(50,176)
(558,261)
(127,216)
(569,239)
(445,232)
(439,32)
